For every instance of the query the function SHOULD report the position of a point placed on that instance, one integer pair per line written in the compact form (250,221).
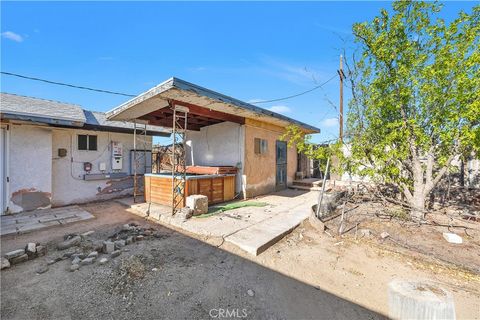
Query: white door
(3,171)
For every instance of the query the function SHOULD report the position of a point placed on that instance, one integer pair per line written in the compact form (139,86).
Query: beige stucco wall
(260,170)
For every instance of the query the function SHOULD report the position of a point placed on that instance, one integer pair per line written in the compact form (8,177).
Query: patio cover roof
(207,107)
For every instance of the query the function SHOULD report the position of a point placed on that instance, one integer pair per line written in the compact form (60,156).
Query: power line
(298,94)
(132,95)
(66,84)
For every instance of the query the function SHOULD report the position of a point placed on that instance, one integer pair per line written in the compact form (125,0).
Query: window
(87,142)
(261,146)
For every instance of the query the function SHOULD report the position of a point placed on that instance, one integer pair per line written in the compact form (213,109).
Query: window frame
(88,142)
(260,146)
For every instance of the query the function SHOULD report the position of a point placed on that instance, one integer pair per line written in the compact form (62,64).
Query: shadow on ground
(171,277)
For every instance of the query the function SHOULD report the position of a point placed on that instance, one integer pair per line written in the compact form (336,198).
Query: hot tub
(217,187)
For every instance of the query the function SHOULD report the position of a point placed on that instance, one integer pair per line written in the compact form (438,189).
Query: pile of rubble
(31,251)
(87,251)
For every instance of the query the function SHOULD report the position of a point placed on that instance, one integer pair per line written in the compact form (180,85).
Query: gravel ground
(169,277)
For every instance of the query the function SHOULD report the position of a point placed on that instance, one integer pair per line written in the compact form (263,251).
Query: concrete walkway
(42,218)
(253,229)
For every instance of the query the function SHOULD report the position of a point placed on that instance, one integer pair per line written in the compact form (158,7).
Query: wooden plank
(228,188)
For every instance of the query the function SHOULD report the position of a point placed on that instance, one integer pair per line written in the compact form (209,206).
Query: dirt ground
(306,275)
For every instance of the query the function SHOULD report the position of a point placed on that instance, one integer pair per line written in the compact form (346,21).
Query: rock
(384,235)
(129,240)
(19,259)
(126,227)
(42,269)
(31,249)
(70,236)
(184,213)
(115,254)
(452,238)
(86,234)
(74,267)
(103,261)
(154,269)
(139,238)
(198,203)
(250,292)
(97,246)
(365,233)
(14,254)
(119,244)
(50,262)
(330,201)
(78,255)
(41,251)
(5,263)
(87,261)
(93,254)
(108,246)
(69,243)
(76,260)
(70,254)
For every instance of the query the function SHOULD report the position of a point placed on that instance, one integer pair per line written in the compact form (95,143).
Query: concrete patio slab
(252,229)
(259,237)
(42,218)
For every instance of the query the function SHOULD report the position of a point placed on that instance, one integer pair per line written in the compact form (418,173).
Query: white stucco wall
(30,167)
(68,185)
(39,178)
(221,144)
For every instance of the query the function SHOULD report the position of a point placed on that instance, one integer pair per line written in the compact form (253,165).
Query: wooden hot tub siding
(158,189)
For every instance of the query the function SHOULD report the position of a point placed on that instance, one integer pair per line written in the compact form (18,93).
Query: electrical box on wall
(117,155)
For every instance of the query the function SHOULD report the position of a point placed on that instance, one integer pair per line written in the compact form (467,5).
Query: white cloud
(12,36)
(280,109)
(255,100)
(329,122)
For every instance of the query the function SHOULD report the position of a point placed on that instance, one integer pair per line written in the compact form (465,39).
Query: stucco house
(220,131)
(55,153)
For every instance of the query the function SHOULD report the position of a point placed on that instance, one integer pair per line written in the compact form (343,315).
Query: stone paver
(42,218)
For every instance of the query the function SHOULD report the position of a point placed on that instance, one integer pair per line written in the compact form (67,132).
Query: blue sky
(251,50)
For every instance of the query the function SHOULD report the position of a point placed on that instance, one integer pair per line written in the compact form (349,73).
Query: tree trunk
(418,205)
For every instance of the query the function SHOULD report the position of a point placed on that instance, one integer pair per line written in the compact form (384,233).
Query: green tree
(415,97)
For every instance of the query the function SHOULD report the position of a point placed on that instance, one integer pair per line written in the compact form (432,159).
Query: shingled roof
(16,107)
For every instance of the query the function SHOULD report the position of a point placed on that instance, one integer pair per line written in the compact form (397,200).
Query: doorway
(281,165)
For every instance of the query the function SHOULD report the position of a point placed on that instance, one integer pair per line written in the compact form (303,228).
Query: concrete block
(419,300)
(198,203)
(5,263)
(14,254)
(108,246)
(69,243)
(41,250)
(19,259)
(119,244)
(31,249)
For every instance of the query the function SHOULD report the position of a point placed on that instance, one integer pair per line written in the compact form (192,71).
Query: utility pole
(342,75)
